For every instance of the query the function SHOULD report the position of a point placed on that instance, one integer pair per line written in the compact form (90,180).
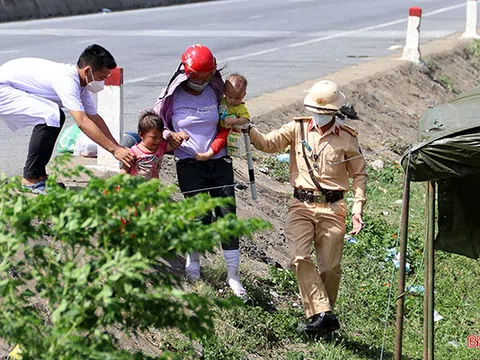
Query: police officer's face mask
(95,86)
(322,119)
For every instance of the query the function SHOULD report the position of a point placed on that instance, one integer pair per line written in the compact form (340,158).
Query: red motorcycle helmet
(198,62)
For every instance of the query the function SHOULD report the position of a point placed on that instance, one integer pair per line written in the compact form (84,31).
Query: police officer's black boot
(323,323)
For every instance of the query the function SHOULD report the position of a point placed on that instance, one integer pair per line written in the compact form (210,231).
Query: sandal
(38,188)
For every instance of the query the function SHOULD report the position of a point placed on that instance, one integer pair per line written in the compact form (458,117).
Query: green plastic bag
(68,138)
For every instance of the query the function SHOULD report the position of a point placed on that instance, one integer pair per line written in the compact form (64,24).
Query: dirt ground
(389,96)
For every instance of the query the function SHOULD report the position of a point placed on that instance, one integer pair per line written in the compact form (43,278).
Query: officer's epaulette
(302,118)
(350,130)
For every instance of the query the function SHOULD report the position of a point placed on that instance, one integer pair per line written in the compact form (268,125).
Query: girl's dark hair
(97,57)
(148,121)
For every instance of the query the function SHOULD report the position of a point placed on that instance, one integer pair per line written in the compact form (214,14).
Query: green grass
(268,329)
(444,80)
(473,48)
(276,170)
(447,83)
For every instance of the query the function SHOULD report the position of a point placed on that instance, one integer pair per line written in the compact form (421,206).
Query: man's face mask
(95,86)
(322,119)
(197,87)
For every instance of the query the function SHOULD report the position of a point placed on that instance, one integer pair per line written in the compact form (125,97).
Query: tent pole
(425,277)
(428,322)
(431,268)
(402,269)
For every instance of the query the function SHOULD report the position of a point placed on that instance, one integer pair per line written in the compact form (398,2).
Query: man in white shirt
(32,92)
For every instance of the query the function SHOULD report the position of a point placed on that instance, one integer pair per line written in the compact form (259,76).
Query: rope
(240,186)
(243,186)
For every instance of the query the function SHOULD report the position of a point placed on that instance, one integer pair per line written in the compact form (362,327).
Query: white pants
(20,109)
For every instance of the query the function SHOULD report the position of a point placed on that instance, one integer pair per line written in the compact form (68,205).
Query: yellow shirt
(334,156)
(226,111)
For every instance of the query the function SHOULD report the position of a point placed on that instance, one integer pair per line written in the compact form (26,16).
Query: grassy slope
(268,330)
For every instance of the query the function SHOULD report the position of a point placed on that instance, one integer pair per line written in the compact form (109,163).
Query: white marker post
(411,51)
(471,23)
(110,108)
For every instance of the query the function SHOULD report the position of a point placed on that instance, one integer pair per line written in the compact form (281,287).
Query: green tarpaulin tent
(449,155)
(448,158)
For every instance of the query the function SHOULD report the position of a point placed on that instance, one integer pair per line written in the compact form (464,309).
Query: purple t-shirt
(198,117)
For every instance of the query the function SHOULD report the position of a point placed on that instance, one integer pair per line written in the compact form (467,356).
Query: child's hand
(184,135)
(235,122)
(177,138)
(204,156)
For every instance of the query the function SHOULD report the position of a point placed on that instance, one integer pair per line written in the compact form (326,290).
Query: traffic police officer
(324,154)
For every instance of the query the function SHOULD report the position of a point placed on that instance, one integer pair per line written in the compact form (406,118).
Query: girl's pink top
(147,163)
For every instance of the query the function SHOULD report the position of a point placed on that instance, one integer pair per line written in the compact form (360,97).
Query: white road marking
(352,32)
(251,54)
(386,34)
(9,51)
(141,79)
(319,36)
(374,27)
(395,47)
(125,13)
(89,41)
(442,10)
(255,17)
(145,33)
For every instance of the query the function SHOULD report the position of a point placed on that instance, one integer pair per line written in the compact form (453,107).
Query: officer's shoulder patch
(302,118)
(350,130)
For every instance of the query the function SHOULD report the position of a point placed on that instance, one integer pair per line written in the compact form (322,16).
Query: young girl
(148,154)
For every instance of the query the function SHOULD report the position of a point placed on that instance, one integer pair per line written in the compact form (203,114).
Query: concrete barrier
(12,10)
(471,21)
(411,51)
(110,108)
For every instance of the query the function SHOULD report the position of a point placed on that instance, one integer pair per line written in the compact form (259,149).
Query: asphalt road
(275,43)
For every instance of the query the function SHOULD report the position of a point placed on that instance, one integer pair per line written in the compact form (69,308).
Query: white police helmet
(324,97)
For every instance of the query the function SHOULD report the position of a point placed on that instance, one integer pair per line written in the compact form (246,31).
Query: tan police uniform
(334,157)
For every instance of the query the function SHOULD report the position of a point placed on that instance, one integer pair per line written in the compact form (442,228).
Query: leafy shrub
(87,260)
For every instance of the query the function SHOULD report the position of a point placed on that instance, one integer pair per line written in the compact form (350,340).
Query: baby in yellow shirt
(232,113)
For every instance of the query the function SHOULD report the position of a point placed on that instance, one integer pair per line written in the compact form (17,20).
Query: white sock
(192,266)
(232,260)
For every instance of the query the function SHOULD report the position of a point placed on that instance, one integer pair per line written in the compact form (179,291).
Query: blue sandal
(38,188)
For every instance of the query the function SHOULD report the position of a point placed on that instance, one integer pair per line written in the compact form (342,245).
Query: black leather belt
(320,197)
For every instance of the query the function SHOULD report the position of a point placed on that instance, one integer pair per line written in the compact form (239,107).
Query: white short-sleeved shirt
(48,80)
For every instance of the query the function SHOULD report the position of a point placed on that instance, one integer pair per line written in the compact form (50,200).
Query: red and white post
(110,108)
(411,51)
(471,22)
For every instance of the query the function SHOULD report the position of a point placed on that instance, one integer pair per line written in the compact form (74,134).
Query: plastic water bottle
(285,158)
